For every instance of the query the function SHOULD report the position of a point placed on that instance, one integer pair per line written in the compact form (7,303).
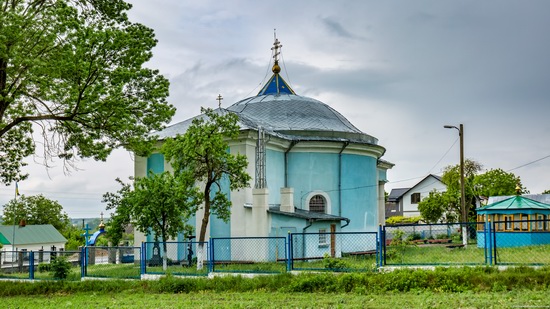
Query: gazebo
(518,221)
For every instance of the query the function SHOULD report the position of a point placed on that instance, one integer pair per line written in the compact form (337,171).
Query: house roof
(305,214)
(396,194)
(30,234)
(515,202)
(399,192)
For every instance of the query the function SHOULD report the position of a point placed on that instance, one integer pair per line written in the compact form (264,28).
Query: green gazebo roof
(515,203)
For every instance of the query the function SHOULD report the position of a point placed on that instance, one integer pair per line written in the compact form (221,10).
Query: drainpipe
(340,179)
(292,144)
(347,223)
(310,222)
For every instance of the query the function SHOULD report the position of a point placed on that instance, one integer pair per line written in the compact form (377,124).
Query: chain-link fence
(111,262)
(432,244)
(521,242)
(342,251)
(44,265)
(188,258)
(249,254)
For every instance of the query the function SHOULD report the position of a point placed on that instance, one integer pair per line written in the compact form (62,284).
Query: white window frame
(323,237)
(328,205)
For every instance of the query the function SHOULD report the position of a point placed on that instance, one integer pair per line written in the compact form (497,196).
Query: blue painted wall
(309,172)
(515,239)
(359,192)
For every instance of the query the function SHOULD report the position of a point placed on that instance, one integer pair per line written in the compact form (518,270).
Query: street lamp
(462,194)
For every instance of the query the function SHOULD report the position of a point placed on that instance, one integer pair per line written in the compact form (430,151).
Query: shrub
(44,267)
(441,236)
(414,236)
(395,220)
(60,267)
(335,264)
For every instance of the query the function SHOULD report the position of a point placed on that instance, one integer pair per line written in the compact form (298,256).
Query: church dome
(297,116)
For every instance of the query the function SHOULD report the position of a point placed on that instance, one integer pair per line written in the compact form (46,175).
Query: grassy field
(262,299)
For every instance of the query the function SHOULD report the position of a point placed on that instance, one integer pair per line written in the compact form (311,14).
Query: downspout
(347,223)
(340,179)
(292,144)
(310,222)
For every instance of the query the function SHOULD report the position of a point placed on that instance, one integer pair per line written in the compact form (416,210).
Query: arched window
(317,203)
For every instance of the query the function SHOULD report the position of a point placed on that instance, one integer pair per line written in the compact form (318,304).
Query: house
(29,238)
(313,171)
(518,220)
(404,201)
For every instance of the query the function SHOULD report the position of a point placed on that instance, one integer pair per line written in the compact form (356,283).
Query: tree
(36,209)
(546,192)
(74,69)
(497,182)
(451,178)
(439,206)
(201,156)
(158,204)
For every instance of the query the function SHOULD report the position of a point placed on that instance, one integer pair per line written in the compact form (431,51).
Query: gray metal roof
(542,198)
(287,116)
(305,214)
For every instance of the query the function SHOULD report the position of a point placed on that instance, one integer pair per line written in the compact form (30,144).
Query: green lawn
(263,299)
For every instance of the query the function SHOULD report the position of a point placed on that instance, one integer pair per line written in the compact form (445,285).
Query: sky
(398,70)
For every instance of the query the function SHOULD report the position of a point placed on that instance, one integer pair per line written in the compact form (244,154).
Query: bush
(441,236)
(396,220)
(61,267)
(335,264)
(414,236)
(44,267)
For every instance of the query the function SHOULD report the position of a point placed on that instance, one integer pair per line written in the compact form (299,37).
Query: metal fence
(111,262)
(39,265)
(249,254)
(177,258)
(520,242)
(432,244)
(342,251)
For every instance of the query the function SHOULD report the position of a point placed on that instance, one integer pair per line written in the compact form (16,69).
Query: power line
(535,161)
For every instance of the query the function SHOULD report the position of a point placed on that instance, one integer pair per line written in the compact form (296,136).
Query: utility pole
(462,193)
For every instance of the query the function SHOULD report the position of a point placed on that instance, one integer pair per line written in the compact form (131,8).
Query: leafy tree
(201,156)
(36,209)
(451,178)
(74,71)
(158,204)
(74,237)
(497,182)
(546,192)
(439,206)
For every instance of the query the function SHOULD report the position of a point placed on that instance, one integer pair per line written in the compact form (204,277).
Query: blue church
(313,171)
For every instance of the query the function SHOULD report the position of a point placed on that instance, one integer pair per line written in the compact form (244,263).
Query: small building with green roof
(517,221)
(31,238)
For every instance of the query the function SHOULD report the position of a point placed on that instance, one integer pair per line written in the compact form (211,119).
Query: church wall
(275,173)
(360,192)
(311,171)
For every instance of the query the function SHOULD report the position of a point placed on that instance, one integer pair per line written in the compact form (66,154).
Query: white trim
(328,208)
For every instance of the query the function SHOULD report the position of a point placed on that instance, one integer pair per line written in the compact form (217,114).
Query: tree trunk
(204,225)
(165,255)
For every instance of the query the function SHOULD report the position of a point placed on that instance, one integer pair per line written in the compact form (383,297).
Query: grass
(263,299)
(469,255)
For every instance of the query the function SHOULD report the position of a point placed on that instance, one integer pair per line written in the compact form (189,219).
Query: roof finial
(276,45)
(518,189)
(219,98)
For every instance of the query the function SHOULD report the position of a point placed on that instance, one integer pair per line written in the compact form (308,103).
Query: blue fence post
(82,261)
(288,250)
(211,254)
(379,246)
(143,256)
(31,265)
(490,243)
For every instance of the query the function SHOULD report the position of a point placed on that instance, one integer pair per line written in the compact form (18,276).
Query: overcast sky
(398,70)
